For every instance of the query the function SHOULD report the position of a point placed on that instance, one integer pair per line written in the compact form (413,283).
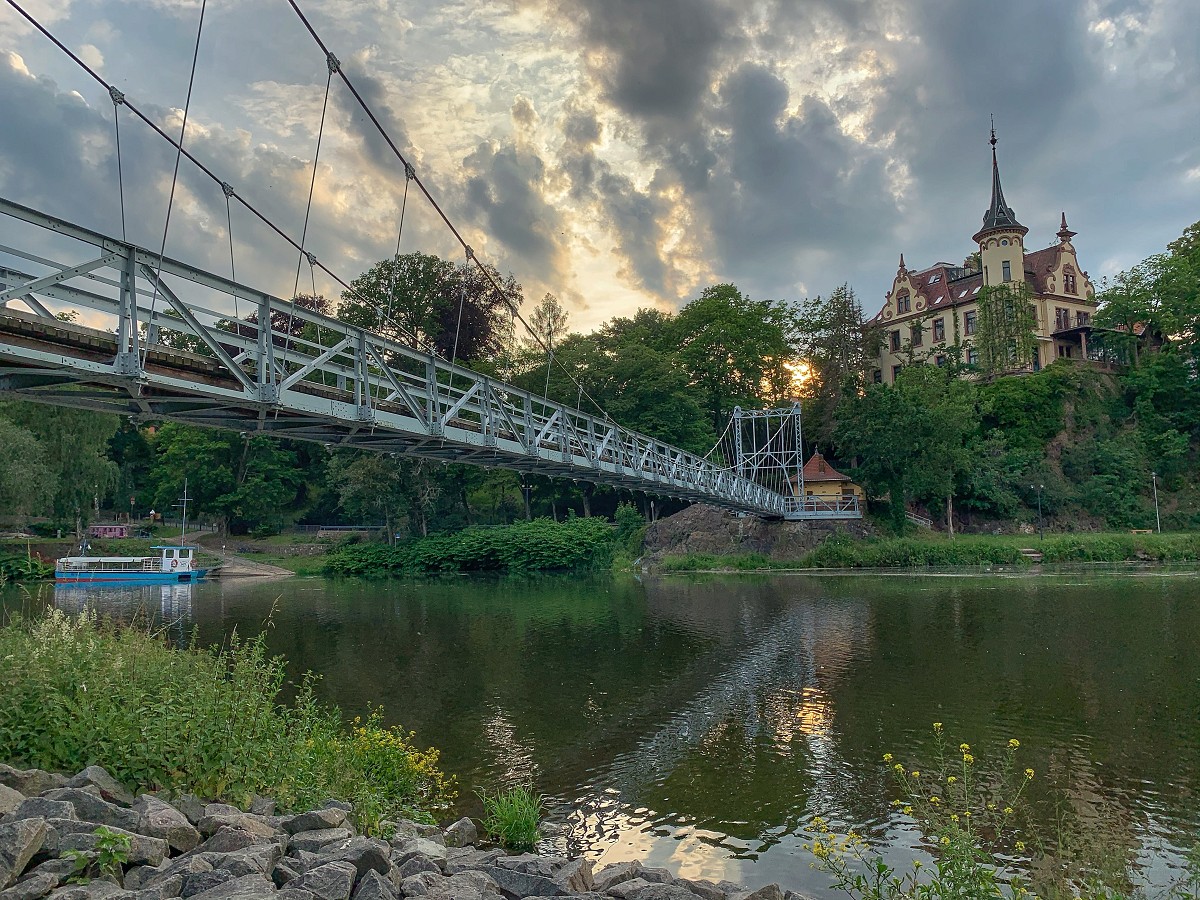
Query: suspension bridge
(106,325)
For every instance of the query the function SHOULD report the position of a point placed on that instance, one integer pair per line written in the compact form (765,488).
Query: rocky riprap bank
(186,848)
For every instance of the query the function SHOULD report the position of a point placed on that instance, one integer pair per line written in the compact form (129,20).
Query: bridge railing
(822,508)
(178,331)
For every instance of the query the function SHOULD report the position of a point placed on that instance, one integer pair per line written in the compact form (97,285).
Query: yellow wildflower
(887,757)
(1020,846)
(1029,773)
(964,748)
(1013,743)
(951,780)
(1008,810)
(937,726)
(908,810)
(935,800)
(916,774)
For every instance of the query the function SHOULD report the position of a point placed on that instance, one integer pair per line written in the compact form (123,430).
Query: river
(700,722)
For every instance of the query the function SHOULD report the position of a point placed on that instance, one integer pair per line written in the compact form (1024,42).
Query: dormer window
(1069,279)
(903,302)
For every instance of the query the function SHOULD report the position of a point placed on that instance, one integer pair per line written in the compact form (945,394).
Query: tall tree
(372,487)
(1006,336)
(549,321)
(27,482)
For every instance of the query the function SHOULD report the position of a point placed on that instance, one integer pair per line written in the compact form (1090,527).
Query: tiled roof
(940,286)
(1038,266)
(816,469)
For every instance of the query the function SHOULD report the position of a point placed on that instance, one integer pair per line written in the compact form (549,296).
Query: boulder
(162,820)
(190,805)
(214,822)
(42,808)
(421,885)
(516,884)
(660,891)
(623,889)
(93,890)
(167,889)
(30,782)
(314,841)
(260,859)
(656,875)
(408,828)
(229,840)
(614,874)
(262,806)
(402,852)
(61,869)
(462,833)
(285,871)
(315,820)
(706,890)
(92,808)
(110,789)
(148,876)
(293,894)
(248,887)
(532,864)
(32,887)
(332,881)
(19,841)
(373,886)
(415,865)
(363,853)
(10,799)
(766,892)
(143,851)
(202,882)
(576,876)
(469,858)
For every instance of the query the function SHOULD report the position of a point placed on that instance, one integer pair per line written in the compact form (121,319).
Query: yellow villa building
(933,309)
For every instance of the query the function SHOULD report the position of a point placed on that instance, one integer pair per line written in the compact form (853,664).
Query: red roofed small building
(934,309)
(823,482)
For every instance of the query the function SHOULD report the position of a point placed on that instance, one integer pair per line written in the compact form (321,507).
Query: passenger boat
(173,565)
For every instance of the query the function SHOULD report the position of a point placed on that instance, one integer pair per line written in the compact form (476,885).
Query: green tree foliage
(1007,331)
(28,484)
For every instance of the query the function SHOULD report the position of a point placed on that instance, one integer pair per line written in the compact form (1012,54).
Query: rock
(415,866)
(766,892)
(148,877)
(363,853)
(623,889)
(10,799)
(532,864)
(332,881)
(316,820)
(110,789)
(31,888)
(19,841)
(248,887)
(93,890)
(262,806)
(201,882)
(214,822)
(576,876)
(470,858)
(61,869)
(229,840)
(706,890)
(615,874)
(418,846)
(162,820)
(374,886)
(660,891)
(418,885)
(314,841)
(42,808)
(30,782)
(91,808)
(284,872)
(409,828)
(190,805)
(293,894)
(167,889)
(521,884)
(143,851)
(462,833)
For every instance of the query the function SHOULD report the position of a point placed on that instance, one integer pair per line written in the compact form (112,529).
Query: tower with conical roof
(1001,240)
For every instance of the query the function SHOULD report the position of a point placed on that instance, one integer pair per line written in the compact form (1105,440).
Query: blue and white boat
(174,565)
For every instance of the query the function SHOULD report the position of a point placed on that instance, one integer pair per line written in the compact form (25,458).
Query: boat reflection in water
(168,605)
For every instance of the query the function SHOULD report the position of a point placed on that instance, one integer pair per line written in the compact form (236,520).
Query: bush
(78,692)
(511,818)
(19,567)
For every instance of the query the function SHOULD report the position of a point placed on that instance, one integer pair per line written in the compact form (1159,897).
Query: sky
(618,153)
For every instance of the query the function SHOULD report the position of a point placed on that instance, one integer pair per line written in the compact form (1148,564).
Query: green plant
(107,860)
(511,817)
(204,720)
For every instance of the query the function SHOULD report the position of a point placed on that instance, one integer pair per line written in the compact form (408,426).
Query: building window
(1083,318)
(939,329)
(878,376)
(972,356)
(1062,318)
(1007,267)
(969,320)
(1037,360)
(895,373)
(903,302)
(1069,279)
(915,330)
(940,359)
(895,339)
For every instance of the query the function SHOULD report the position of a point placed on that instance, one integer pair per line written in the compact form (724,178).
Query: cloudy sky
(622,153)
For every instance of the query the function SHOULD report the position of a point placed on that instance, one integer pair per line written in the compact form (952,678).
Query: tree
(736,350)
(549,321)
(1006,335)
(371,487)
(27,483)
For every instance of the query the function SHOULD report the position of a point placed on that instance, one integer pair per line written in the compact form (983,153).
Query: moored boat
(174,564)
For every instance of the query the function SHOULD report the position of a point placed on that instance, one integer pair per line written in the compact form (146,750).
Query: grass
(939,551)
(79,692)
(511,818)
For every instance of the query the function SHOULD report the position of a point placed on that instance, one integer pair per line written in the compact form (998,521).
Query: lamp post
(1157,517)
(1041,529)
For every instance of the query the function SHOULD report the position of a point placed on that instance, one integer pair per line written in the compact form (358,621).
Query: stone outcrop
(183,849)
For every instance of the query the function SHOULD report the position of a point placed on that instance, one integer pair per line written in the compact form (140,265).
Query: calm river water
(699,723)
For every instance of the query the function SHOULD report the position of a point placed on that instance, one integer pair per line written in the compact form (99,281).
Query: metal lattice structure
(160,343)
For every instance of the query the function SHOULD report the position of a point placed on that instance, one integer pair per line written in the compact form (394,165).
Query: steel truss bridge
(156,340)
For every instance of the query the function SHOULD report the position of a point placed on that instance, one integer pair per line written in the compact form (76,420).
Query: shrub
(19,567)
(511,818)
(78,692)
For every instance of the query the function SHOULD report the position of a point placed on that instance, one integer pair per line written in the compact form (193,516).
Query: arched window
(1069,279)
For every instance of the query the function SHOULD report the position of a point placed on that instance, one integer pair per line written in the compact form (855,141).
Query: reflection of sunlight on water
(513,758)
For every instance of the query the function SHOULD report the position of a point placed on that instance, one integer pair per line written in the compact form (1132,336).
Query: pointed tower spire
(901,262)
(1064,233)
(999,214)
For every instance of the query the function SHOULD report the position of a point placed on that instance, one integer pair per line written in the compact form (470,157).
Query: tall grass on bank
(22,567)
(511,818)
(920,552)
(76,692)
(576,545)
